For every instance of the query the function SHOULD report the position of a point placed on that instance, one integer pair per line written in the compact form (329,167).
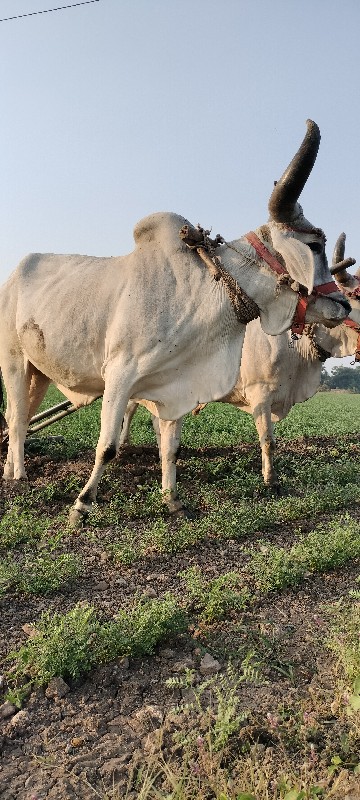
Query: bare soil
(92,740)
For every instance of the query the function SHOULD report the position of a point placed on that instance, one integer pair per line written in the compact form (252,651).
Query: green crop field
(265,586)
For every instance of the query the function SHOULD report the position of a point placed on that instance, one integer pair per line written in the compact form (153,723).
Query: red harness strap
(351,324)
(325,288)
(265,254)
(298,322)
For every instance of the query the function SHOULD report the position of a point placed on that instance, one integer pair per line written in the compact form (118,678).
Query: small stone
(57,688)
(167,653)
(7,710)
(29,629)
(150,592)
(121,582)
(115,767)
(101,586)
(151,743)
(77,741)
(31,782)
(21,718)
(209,665)
(145,717)
(183,665)
(123,662)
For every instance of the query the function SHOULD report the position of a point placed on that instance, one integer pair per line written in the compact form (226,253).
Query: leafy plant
(215,598)
(72,644)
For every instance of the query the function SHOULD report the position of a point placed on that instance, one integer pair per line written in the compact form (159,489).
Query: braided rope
(244,307)
(319,352)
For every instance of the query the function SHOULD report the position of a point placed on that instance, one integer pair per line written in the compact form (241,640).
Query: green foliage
(18,526)
(8,575)
(274,568)
(45,573)
(344,639)
(149,623)
(215,598)
(63,645)
(39,574)
(215,707)
(72,644)
(342,378)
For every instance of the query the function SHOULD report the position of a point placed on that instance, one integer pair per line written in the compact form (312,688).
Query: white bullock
(155,323)
(275,373)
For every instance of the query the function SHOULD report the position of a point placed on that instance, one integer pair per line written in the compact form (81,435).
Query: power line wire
(49,10)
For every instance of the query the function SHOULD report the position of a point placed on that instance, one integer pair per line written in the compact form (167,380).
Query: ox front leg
(169,443)
(112,413)
(264,427)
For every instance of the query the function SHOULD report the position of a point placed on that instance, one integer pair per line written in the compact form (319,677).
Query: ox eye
(315,247)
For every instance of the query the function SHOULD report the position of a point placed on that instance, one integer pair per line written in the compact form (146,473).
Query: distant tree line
(341,378)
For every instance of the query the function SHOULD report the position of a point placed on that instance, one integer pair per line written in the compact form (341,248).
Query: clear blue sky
(114,110)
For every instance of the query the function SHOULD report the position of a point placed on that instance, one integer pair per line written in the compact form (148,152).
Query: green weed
(214,599)
(72,644)
(18,527)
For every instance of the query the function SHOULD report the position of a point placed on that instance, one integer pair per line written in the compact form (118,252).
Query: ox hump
(163,223)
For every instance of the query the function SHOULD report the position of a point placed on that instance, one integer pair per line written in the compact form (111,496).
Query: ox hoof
(274,488)
(185,513)
(181,512)
(15,486)
(77,518)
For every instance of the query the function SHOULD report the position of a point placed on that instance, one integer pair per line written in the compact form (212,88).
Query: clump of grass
(18,526)
(72,644)
(45,573)
(145,502)
(214,599)
(39,574)
(344,638)
(274,568)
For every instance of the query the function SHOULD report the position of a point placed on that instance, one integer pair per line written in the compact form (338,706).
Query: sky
(119,108)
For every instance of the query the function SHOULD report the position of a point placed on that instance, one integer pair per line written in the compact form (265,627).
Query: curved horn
(288,189)
(342,266)
(339,263)
(339,250)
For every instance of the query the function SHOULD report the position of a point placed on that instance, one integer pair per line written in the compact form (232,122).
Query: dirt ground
(87,739)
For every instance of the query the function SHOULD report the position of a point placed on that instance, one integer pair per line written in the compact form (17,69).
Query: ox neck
(275,265)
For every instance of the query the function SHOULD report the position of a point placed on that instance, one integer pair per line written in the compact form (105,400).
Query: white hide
(275,374)
(151,324)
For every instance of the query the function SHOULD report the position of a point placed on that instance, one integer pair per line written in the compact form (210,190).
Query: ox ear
(278,315)
(298,257)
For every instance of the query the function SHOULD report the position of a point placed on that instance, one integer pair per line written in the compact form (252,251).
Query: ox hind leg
(168,434)
(38,387)
(25,389)
(118,386)
(265,430)
(129,413)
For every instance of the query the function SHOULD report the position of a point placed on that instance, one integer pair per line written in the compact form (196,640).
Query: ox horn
(339,250)
(288,189)
(340,263)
